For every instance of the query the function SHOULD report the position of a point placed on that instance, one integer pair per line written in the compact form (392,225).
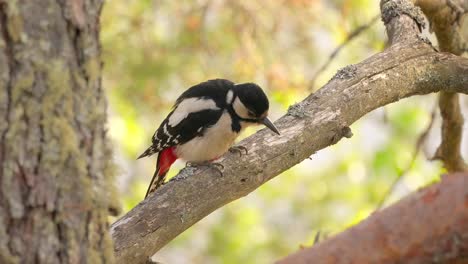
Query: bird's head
(251,105)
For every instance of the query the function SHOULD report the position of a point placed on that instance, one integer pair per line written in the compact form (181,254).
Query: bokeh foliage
(153,50)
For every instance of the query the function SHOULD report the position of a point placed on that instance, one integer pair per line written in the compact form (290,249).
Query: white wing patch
(188,106)
(166,132)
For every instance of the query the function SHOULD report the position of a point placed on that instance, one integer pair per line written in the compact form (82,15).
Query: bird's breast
(214,142)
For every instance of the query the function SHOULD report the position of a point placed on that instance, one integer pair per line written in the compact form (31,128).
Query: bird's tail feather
(165,159)
(148,152)
(156,181)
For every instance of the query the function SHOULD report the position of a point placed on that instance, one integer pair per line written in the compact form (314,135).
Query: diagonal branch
(409,67)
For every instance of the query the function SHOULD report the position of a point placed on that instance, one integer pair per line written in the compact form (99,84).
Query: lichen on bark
(56,174)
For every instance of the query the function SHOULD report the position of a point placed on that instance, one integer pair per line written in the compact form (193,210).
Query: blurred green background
(153,50)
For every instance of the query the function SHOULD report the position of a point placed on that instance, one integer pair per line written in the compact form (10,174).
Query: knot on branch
(395,8)
(427,41)
(344,131)
(347,133)
(346,72)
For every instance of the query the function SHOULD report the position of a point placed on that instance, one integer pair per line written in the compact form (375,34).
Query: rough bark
(429,226)
(55,168)
(446,18)
(409,67)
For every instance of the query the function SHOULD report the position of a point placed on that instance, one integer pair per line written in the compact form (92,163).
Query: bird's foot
(239,150)
(217,166)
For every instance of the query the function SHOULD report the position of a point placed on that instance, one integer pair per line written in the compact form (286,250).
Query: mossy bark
(55,160)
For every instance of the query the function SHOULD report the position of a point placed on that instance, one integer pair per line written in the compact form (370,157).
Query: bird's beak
(270,125)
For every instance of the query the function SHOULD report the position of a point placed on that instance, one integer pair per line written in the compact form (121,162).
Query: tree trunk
(55,168)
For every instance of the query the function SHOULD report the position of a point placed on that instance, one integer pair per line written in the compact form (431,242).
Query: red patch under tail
(165,159)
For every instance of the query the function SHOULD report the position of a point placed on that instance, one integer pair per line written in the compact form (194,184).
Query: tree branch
(428,226)
(409,67)
(445,17)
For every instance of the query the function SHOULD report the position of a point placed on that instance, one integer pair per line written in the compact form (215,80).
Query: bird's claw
(217,166)
(239,150)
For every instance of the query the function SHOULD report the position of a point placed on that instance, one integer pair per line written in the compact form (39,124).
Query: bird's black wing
(194,125)
(190,127)
(214,89)
(212,93)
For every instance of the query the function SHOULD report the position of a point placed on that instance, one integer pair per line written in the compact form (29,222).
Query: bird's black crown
(253,97)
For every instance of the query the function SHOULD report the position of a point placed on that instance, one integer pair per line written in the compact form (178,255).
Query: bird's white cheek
(240,108)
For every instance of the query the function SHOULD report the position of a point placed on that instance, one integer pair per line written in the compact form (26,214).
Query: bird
(204,123)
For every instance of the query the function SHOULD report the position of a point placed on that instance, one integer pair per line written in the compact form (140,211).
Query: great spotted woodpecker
(204,122)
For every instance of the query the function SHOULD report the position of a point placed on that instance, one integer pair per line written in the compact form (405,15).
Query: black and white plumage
(204,123)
